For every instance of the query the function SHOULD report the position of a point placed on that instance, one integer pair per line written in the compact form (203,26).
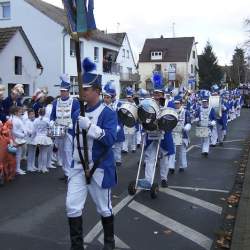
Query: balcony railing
(129,77)
(111,67)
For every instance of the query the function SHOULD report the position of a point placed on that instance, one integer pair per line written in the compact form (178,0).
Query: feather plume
(88,65)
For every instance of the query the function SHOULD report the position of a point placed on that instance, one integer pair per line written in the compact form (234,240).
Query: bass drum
(215,102)
(127,113)
(168,119)
(148,110)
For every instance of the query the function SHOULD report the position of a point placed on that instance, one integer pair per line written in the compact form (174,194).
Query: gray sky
(219,21)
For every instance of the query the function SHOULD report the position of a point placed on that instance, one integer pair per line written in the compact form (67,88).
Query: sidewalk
(241,233)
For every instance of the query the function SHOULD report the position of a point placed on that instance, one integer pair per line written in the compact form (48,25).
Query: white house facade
(176,58)
(45,26)
(18,64)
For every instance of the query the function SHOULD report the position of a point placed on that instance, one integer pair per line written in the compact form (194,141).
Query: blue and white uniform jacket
(2,113)
(205,116)
(120,126)
(63,110)
(223,119)
(8,103)
(100,136)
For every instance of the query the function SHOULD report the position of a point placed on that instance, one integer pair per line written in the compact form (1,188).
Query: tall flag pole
(81,23)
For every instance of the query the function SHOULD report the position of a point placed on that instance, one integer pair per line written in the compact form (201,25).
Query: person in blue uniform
(100,123)
(109,98)
(62,112)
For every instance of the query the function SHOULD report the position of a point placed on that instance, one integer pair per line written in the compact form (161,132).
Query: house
(19,62)
(128,72)
(176,58)
(46,27)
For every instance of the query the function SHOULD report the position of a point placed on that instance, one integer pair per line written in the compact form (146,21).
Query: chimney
(161,37)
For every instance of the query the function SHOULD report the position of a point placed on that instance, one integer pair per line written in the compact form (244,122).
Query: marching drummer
(206,118)
(130,133)
(109,98)
(166,143)
(180,133)
(61,115)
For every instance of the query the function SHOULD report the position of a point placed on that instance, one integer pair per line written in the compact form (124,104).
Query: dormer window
(5,10)
(156,55)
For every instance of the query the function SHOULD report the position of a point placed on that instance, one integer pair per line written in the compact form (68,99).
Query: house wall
(30,73)
(45,37)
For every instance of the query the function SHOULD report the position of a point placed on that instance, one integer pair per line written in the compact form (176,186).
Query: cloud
(220,21)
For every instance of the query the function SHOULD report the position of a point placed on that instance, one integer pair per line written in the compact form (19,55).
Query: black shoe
(164,183)
(205,154)
(63,178)
(181,169)
(171,171)
(124,152)
(138,145)
(133,151)
(76,238)
(118,164)
(108,228)
(213,145)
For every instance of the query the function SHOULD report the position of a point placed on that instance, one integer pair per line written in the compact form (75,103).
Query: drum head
(150,126)
(146,114)
(167,122)
(126,117)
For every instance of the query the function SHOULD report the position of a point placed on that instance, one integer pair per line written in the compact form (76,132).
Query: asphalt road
(184,216)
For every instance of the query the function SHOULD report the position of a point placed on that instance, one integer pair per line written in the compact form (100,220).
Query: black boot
(108,228)
(75,226)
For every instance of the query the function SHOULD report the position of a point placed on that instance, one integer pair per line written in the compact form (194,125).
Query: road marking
(239,149)
(194,200)
(118,243)
(191,147)
(173,225)
(98,227)
(200,189)
(239,140)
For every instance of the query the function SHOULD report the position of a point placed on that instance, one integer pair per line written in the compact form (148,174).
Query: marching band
(50,129)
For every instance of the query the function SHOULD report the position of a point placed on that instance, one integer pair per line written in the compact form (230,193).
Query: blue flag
(80,16)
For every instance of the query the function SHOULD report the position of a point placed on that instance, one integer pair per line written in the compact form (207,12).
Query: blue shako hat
(109,89)
(142,93)
(90,79)
(129,92)
(157,80)
(65,82)
(178,99)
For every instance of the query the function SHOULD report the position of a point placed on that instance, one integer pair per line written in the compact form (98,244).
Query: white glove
(213,123)
(70,126)
(51,123)
(187,127)
(118,128)
(84,122)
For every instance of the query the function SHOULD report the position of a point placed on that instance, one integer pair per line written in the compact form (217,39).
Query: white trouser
(31,157)
(238,112)
(42,157)
(77,194)
(221,133)
(205,144)
(182,153)
(18,158)
(49,158)
(117,148)
(24,152)
(171,161)
(150,158)
(129,143)
(64,146)
(214,135)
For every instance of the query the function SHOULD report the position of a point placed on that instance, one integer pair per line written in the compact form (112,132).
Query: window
(194,54)
(73,48)
(158,67)
(74,90)
(123,53)
(129,70)
(127,53)
(5,10)
(121,69)
(18,65)
(192,69)
(96,54)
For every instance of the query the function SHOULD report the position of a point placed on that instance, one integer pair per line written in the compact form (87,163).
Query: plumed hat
(65,82)
(129,92)
(109,89)
(89,78)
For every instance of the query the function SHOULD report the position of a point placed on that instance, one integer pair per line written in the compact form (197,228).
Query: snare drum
(148,110)
(128,114)
(57,131)
(167,119)
(202,132)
